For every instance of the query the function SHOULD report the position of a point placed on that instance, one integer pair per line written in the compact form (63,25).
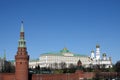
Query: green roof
(64,50)
(52,53)
(12,61)
(104,54)
(80,55)
(61,53)
(34,60)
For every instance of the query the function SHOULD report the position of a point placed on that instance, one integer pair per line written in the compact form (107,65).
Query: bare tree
(63,65)
(71,66)
(55,65)
(117,66)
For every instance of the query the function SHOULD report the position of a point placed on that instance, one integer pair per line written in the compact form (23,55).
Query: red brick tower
(21,58)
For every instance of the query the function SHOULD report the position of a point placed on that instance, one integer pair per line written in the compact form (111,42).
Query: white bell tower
(92,54)
(97,52)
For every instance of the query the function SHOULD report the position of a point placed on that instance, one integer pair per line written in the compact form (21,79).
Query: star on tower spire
(22,27)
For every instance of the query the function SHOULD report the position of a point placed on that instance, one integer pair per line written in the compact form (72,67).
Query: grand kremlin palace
(65,56)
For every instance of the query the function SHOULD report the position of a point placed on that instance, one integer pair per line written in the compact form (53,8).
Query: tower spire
(22,42)
(4,54)
(22,27)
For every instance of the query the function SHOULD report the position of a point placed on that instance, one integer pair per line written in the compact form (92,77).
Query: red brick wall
(68,76)
(7,76)
(54,77)
(89,75)
(1,76)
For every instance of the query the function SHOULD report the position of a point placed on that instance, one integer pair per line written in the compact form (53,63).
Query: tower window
(20,62)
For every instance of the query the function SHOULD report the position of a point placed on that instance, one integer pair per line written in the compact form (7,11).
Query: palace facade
(54,60)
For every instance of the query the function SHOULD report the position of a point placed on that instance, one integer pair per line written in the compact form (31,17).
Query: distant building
(95,59)
(53,60)
(2,62)
(50,59)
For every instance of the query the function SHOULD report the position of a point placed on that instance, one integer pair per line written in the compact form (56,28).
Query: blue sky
(51,25)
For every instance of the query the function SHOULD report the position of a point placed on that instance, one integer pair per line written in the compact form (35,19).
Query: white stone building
(65,56)
(102,61)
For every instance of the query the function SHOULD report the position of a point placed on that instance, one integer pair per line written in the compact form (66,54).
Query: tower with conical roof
(21,58)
